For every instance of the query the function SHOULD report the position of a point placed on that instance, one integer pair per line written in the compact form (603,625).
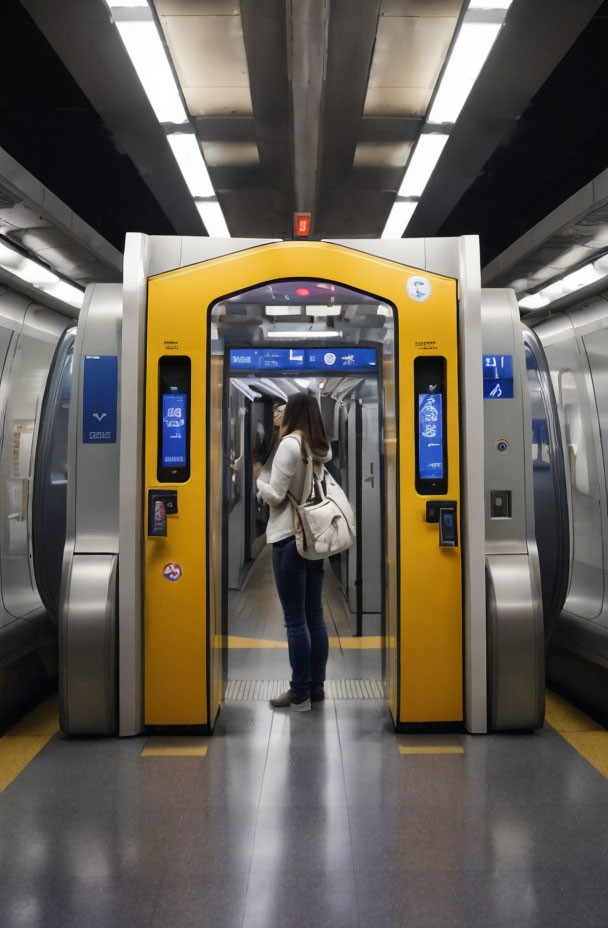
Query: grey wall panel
(513,591)
(88,679)
(87,612)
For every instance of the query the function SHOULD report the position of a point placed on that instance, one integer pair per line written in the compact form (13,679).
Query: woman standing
(299,581)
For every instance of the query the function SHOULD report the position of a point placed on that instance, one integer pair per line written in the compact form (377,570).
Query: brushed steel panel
(88,679)
(515,643)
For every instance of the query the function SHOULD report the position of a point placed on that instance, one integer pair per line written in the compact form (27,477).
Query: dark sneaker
(317,692)
(288,701)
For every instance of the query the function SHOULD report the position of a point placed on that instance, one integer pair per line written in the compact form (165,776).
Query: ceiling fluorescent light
(581,278)
(213,218)
(533,301)
(283,311)
(323,310)
(188,155)
(398,218)
(422,164)
(468,56)
(147,53)
(66,292)
(39,276)
(117,4)
(489,4)
(305,333)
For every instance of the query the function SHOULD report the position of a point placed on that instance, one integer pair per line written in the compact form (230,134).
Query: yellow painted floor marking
(24,740)
(564,717)
(429,744)
(587,737)
(236,641)
(371,642)
(175,746)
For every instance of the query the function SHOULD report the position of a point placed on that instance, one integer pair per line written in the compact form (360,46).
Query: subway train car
(526,492)
(567,359)
(36,351)
(167,599)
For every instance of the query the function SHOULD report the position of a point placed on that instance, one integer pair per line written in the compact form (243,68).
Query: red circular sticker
(172,572)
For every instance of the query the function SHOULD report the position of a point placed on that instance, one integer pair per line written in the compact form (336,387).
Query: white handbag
(324,520)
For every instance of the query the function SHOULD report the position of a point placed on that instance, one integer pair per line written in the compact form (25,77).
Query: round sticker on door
(172,572)
(418,288)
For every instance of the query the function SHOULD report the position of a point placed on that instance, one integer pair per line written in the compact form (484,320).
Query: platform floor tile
(301,820)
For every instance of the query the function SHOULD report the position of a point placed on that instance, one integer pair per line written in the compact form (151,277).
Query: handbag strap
(309,475)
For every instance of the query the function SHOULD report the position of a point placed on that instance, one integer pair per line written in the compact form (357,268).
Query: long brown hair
(302,414)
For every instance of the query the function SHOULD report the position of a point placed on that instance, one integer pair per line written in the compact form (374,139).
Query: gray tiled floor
(301,820)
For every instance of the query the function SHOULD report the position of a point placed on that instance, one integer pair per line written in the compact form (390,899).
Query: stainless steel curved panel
(515,643)
(516,666)
(550,483)
(87,642)
(87,617)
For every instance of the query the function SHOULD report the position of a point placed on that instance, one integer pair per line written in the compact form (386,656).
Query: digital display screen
(430,436)
(303,359)
(174,409)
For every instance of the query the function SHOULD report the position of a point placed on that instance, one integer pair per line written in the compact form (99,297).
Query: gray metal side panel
(516,668)
(88,646)
(130,634)
(87,610)
(472,464)
(515,643)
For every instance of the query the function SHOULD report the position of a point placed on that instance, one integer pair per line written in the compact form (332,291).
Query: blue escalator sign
(99,399)
(497,376)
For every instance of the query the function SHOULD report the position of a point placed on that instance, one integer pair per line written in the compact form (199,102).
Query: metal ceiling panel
(397,101)
(208,53)
(231,154)
(197,7)
(421,7)
(409,55)
(382,154)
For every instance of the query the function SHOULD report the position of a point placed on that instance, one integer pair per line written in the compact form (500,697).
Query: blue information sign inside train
(430,436)
(174,430)
(99,399)
(303,359)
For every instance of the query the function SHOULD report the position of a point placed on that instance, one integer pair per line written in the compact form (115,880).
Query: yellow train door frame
(179,685)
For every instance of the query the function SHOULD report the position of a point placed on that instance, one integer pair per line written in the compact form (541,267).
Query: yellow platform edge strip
(373,642)
(175,746)
(587,737)
(429,744)
(21,743)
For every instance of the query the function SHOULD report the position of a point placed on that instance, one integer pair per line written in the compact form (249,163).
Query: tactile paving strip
(262,690)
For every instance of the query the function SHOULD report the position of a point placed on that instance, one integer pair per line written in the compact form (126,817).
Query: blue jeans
(300,588)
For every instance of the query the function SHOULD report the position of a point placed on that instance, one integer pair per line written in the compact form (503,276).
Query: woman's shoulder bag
(324,520)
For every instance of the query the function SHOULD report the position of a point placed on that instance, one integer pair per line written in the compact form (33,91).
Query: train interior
(257,381)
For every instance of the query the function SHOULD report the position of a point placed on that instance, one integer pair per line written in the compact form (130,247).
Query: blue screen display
(430,436)
(100,399)
(174,430)
(497,366)
(303,359)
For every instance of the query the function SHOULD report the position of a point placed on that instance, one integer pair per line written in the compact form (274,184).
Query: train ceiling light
(479,29)
(138,30)
(38,276)
(590,273)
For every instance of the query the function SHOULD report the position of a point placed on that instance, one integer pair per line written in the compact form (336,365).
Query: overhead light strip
(582,277)
(140,36)
(469,53)
(305,333)
(39,276)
